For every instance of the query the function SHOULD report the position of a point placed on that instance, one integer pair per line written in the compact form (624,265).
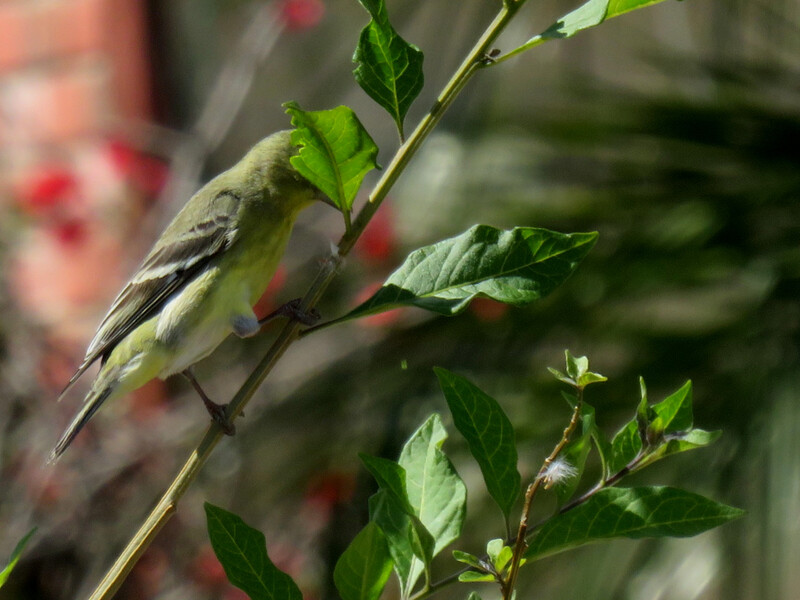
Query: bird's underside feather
(165,271)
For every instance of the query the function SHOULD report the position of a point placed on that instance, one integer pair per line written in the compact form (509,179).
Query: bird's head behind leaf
(266,169)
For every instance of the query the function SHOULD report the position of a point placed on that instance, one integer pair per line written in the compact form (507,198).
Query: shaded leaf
(625,447)
(391,478)
(363,569)
(668,428)
(576,453)
(15,556)
(489,434)
(681,442)
(336,152)
(630,513)
(515,267)
(242,551)
(400,536)
(467,559)
(389,68)
(674,413)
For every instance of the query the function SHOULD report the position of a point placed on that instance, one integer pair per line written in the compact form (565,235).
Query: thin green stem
(631,467)
(520,544)
(167,505)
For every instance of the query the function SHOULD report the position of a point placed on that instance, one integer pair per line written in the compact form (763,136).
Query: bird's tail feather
(87,362)
(90,406)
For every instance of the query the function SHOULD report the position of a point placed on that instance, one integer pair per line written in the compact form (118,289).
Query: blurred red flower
(145,173)
(488,310)
(383,319)
(301,14)
(48,189)
(378,242)
(266,304)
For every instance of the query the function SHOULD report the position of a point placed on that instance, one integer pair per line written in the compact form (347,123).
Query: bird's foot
(291,310)
(217,411)
(219,416)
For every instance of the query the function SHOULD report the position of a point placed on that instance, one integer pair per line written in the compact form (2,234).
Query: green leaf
(630,513)
(588,15)
(471,576)
(668,428)
(674,413)
(516,267)
(391,478)
(400,535)
(624,447)
(362,571)
(493,549)
(467,559)
(643,414)
(578,373)
(576,366)
(681,442)
(336,152)
(389,68)
(503,559)
(242,551)
(561,376)
(604,450)
(435,491)
(15,556)
(489,435)
(576,453)
(473,596)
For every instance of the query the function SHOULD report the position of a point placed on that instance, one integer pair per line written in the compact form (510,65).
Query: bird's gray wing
(166,270)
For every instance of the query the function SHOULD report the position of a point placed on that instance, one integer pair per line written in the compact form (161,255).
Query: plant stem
(167,505)
(611,481)
(520,545)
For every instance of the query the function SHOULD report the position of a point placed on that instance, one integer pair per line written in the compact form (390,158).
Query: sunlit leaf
(630,513)
(515,267)
(588,15)
(389,68)
(435,491)
(336,152)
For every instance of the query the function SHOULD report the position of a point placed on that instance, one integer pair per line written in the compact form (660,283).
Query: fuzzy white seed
(558,472)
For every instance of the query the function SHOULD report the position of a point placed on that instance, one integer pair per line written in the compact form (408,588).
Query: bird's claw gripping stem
(291,310)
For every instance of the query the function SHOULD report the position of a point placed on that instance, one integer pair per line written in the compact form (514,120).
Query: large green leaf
(362,571)
(391,478)
(435,491)
(389,68)
(630,513)
(242,551)
(336,152)
(489,434)
(515,267)
(15,556)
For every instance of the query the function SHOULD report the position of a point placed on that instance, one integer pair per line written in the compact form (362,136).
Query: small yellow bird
(200,281)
